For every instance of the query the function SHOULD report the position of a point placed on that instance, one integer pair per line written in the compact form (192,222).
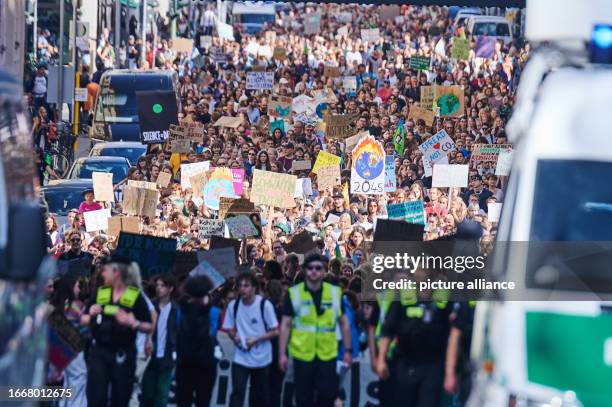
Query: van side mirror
(26,246)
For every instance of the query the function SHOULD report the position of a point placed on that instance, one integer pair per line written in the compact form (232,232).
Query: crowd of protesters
(170,329)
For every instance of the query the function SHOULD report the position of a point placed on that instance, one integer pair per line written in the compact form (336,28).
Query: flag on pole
(399,138)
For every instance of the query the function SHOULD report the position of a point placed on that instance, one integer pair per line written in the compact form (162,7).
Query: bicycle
(61,152)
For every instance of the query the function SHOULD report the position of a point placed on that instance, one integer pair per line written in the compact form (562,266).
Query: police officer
(311,314)
(114,316)
(420,324)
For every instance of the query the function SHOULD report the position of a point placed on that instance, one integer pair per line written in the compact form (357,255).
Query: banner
(279,106)
(455,176)
(437,146)
(371,35)
(273,189)
(420,63)
(153,254)
(390,177)
(103,186)
(368,167)
(210,227)
(325,159)
(411,212)
(260,80)
(157,110)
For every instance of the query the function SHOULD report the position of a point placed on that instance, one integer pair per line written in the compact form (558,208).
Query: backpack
(262,304)
(193,340)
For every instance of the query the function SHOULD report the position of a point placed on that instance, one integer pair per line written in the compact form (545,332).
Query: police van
(550,342)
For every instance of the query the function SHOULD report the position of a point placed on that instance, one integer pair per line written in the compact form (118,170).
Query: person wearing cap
(477,188)
(286,158)
(88,204)
(312,312)
(114,316)
(339,208)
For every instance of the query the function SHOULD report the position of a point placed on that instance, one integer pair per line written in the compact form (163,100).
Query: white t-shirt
(162,331)
(250,325)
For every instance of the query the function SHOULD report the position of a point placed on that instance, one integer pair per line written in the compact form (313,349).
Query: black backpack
(194,343)
(262,304)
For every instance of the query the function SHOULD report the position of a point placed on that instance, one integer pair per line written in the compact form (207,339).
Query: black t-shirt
(109,334)
(419,339)
(316,297)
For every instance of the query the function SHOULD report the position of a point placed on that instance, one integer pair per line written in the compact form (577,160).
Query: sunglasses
(316,268)
(75,240)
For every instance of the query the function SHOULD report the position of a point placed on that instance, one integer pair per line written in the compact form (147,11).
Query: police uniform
(421,330)
(111,359)
(314,342)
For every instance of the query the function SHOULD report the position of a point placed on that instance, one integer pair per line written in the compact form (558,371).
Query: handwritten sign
(181,146)
(274,189)
(450,175)
(220,183)
(240,227)
(340,125)
(140,201)
(504,162)
(417,112)
(210,227)
(302,165)
(279,106)
(227,121)
(331,71)
(419,63)
(437,146)
(370,35)
(390,177)
(349,84)
(450,99)
(325,159)
(96,220)
(260,80)
(279,53)
(328,177)
(103,186)
(488,152)
(411,212)
(188,170)
(163,179)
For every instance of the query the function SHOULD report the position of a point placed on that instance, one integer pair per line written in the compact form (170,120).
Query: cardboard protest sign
(220,183)
(181,146)
(198,181)
(103,186)
(488,152)
(223,259)
(325,159)
(142,184)
(450,99)
(420,63)
(461,49)
(485,46)
(177,133)
(210,227)
(279,106)
(116,224)
(96,220)
(494,211)
(301,243)
(351,142)
(140,201)
(188,170)
(411,212)
(157,110)
(274,189)
(349,84)
(279,53)
(153,254)
(260,80)
(437,146)
(331,71)
(371,35)
(207,270)
(450,175)
(328,177)
(240,226)
(302,165)
(231,205)
(227,121)
(368,167)
(390,177)
(163,179)
(418,112)
(183,45)
(312,24)
(340,125)
(504,162)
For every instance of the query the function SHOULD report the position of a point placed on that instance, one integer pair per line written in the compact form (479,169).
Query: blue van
(116,110)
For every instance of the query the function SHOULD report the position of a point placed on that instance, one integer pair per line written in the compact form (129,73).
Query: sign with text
(418,112)
(220,183)
(140,201)
(368,167)
(227,121)
(449,99)
(153,254)
(339,125)
(411,212)
(222,259)
(210,227)
(437,146)
(371,35)
(504,162)
(328,177)
(157,110)
(302,165)
(420,63)
(452,175)
(331,71)
(390,178)
(488,152)
(461,49)
(103,186)
(279,106)
(260,80)
(325,159)
(189,170)
(240,227)
(163,179)
(274,189)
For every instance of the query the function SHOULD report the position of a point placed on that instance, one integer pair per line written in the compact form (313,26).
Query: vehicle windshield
(493,29)
(256,18)
(60,200)
(84,169)
(132,154)
(117,108)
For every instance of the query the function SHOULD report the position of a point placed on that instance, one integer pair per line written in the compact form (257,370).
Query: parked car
(84,167)
(132,150)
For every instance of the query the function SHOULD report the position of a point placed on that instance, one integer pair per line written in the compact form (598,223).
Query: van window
(116,106)
(256,18)
(572,202)
(491,28)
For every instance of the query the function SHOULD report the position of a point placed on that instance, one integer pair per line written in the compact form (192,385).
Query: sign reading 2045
(368,167)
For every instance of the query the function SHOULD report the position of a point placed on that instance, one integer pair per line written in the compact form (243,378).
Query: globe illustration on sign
(368,158)
(220,184)
(448,104)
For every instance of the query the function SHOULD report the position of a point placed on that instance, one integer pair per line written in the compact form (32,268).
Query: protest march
(247,225)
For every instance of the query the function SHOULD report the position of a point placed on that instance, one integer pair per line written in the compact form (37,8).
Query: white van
(492,26)
(253,15)
(465,13)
